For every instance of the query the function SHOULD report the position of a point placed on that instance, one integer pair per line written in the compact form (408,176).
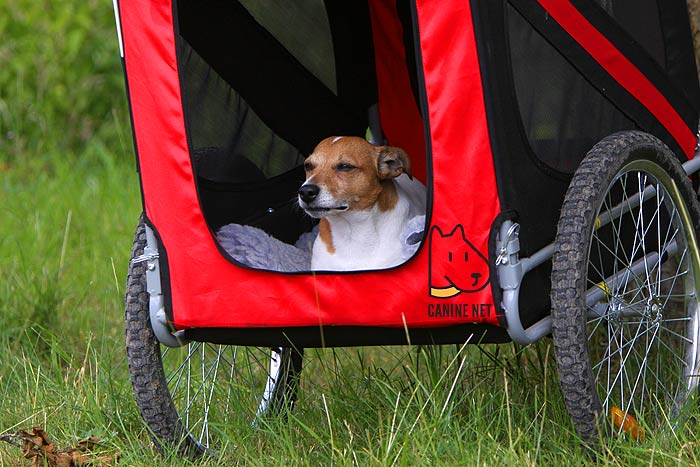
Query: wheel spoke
(622,349)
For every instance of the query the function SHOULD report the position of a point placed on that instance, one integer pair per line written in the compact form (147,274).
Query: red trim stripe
(621,69)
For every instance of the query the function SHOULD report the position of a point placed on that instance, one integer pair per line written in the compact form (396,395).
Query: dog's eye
(344,167)
(308,166)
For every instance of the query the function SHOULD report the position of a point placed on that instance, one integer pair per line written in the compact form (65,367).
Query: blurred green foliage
(61,81)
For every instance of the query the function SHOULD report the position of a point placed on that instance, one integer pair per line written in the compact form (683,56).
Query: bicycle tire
(182,394)
(625,292)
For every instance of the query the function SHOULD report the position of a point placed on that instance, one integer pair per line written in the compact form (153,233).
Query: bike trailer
(496,102)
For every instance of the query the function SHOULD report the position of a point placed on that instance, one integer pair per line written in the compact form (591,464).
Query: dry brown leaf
(36,446)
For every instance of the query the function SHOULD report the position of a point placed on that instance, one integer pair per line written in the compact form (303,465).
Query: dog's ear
(392,162)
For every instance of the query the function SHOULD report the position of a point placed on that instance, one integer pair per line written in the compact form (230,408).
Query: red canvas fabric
(398,110)
(446,283)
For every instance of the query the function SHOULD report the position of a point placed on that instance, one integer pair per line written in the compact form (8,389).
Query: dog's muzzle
(314,205)
(308,193)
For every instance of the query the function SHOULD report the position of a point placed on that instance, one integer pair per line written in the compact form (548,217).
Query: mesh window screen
(310,38)
(230,143)
(263,82)
(640,19)
(563,115)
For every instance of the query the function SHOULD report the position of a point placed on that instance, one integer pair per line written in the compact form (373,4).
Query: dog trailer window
(262,84)
(563,115)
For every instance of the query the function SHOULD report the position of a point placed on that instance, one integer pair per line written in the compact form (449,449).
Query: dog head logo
(456,266)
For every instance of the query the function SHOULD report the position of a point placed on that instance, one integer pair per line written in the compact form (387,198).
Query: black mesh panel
(229,141)
(263,83)
(562,113)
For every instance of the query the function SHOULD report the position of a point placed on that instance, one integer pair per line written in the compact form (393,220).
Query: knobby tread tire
(145,365)
(570,265)
(148,378)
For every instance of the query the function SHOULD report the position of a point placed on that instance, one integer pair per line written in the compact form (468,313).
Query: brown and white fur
(364,196)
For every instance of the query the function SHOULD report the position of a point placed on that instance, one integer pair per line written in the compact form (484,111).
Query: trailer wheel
(192,398)
(625,283)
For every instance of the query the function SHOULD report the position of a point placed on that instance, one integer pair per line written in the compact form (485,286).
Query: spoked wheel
(625,283)
(194,397)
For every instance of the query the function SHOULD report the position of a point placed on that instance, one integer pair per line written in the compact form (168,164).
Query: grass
(69,203)
(60,78)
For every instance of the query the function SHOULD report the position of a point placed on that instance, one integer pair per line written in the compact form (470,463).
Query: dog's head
(347,173)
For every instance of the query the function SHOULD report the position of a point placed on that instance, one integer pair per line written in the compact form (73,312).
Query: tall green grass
(69,202)
(65,230)
(61,88)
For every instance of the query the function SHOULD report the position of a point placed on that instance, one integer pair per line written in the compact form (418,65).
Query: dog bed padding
(257,249)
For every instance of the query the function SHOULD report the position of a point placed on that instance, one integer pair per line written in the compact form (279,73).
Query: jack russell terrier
(364,196)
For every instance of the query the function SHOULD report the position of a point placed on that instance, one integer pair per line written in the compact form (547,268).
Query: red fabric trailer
(497,103)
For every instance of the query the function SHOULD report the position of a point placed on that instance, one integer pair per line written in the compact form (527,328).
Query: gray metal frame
(156,302)
(511,269)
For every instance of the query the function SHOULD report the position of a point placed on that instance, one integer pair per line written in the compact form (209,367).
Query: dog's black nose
(308,193)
